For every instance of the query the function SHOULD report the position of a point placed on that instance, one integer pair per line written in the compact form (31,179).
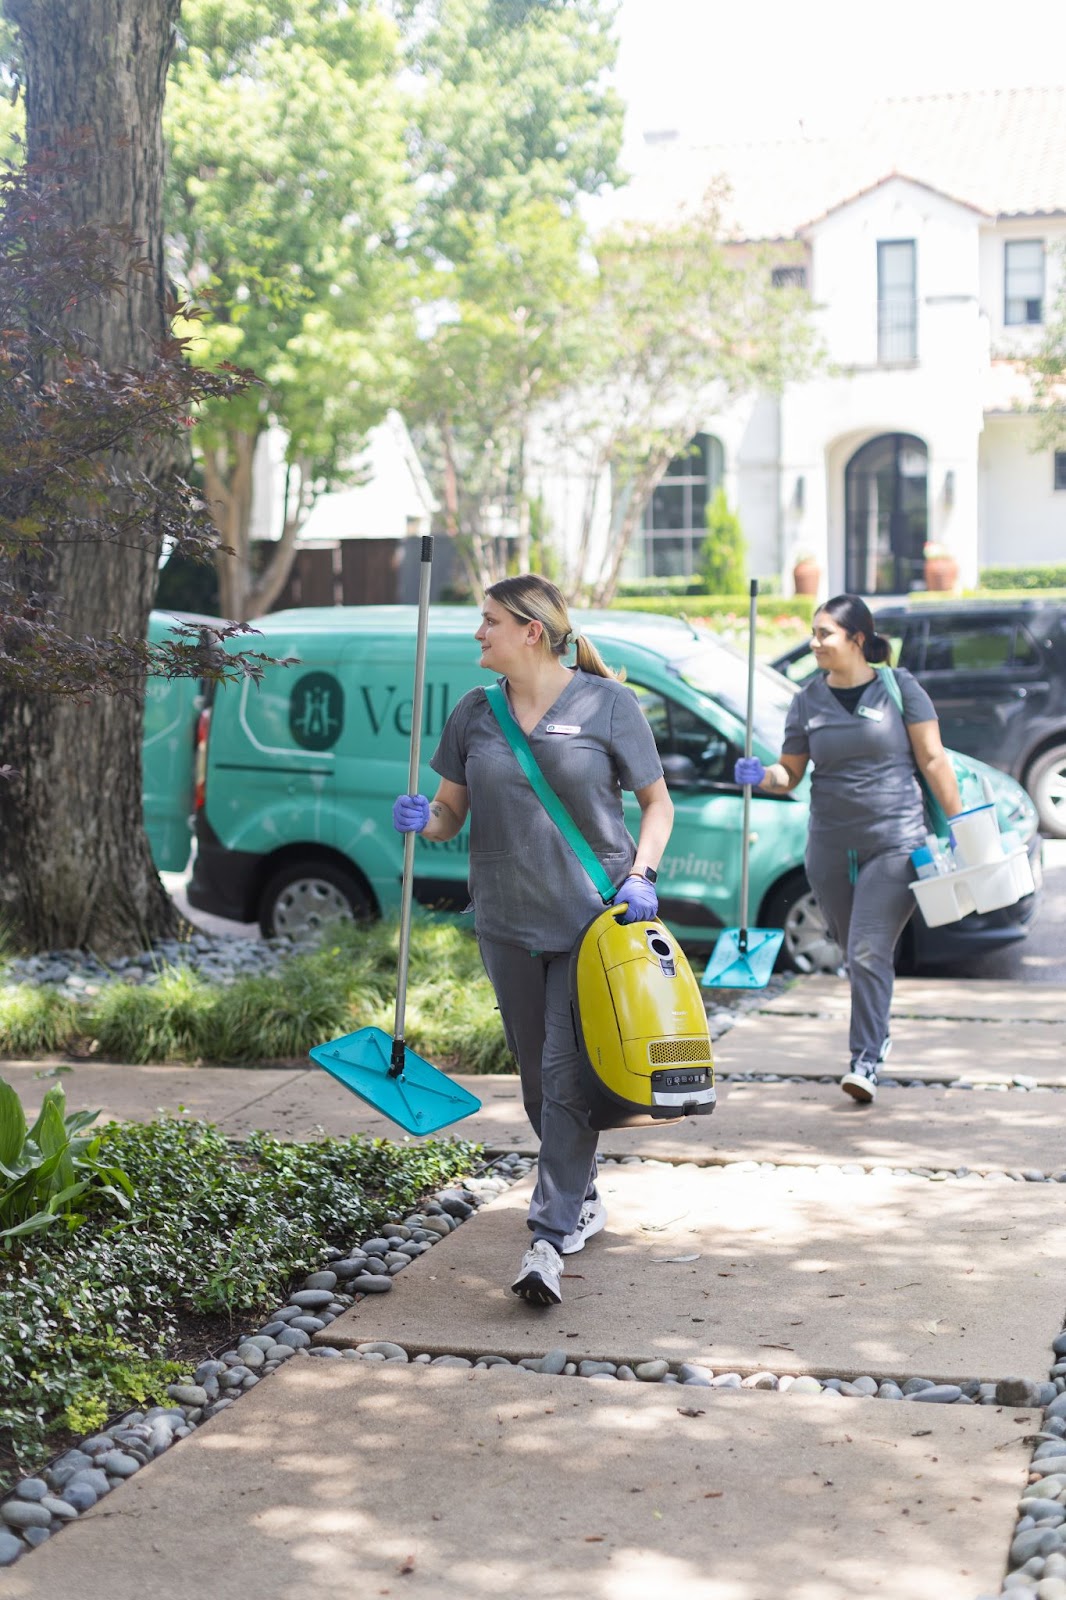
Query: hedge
(1023,578)
(770,606)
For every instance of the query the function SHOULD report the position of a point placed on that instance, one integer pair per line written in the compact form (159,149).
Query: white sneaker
(861,1081)
(593,1220)
(540,1275)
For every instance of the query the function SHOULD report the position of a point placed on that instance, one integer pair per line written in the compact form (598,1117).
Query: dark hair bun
(877,648)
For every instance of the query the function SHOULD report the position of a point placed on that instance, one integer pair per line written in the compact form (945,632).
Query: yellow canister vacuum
(640,1024)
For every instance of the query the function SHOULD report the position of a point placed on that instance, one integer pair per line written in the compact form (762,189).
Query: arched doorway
(886,513)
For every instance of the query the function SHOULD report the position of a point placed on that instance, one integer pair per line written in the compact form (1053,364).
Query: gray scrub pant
(866,919)
(534,998)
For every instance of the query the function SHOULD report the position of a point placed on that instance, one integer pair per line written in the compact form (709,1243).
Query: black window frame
(1028,321)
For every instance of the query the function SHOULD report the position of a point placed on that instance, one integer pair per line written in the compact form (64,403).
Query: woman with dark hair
(867,809)
(532,897)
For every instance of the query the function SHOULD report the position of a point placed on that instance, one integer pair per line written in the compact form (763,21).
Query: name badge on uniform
(561,727)
(874,714)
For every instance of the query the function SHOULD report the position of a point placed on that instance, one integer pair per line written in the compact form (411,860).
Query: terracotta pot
(805,576)
(941,572)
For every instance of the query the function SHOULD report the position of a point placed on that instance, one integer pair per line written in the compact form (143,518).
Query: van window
(680,732)
(955,647)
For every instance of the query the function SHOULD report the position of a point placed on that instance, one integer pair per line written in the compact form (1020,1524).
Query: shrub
(632,588)
(723,555)
(1023,578)
(91,1324)
(48,1170)
(770,607)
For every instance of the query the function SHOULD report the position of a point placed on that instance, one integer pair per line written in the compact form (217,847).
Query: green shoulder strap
(547,795)
(935,814)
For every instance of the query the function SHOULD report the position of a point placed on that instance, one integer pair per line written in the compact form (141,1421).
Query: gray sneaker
(861,1080)
(540,1275)
(593,1220)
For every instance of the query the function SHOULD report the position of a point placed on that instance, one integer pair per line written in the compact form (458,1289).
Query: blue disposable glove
(749,769)
(642,903)
(410,813)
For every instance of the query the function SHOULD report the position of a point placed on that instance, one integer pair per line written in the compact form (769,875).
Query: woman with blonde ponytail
(531,896)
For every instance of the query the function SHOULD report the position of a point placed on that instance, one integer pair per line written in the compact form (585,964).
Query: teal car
(171,709)
(297,777)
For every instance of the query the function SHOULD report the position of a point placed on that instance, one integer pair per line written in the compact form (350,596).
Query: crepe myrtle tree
(93,427)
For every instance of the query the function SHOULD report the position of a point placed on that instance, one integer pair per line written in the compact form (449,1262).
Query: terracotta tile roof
(1001,151)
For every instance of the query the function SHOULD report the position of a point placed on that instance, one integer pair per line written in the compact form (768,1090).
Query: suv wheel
(1046,783)
(303,897)
(807,946)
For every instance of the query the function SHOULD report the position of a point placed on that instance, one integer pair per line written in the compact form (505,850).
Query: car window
(962,647)
(1026,650)
(680,732)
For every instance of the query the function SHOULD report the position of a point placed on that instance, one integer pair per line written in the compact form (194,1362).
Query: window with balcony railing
(897,302)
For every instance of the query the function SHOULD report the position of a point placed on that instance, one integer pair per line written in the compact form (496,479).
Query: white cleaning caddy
(988,887)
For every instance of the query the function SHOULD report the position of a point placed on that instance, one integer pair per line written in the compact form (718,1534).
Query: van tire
(807,947)
(305,895)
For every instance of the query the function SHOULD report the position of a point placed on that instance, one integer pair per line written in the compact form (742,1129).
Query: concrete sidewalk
(339,1477)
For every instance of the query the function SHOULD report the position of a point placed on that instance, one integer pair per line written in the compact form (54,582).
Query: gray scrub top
(865,793)
(527,885)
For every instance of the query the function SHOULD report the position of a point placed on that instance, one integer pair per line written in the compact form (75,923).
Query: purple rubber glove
(642,903)
(410,813)
(749,769)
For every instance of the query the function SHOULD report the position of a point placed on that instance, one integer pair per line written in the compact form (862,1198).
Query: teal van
(297,775)
(171,709)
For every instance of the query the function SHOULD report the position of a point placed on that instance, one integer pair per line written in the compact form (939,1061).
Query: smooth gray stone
(692,1369)
(218,1405)
(270,1328)
(310,1299)
(69,1463)
(482,1361)
(98,1481)
(98,1445)
(368,1284)
(254,1354)
(1033,1542)
(651,1371)
(1045,1393)
(295,1338)
(25,1514)
(10,1548)
(589,1369)
(307,1324)
(1058,1344)
(889,1391)
(1016,1392)
(805,1384)
(1057,1408)
(120,1464)
(624,1374)
(81,1496)
(694,1383)
(321,1280)
(554,1362)
(376,1247)
(279,1353)
(36,1536)
(208,1369)
(187,1394)
(602,1377)
(938,1394)
(234,1377)
(59,1508)
(851,1390)
(373,1266)
(350,1267)
(450,1361)
(161,1437)
(31,1489)
(914,1385)
(285,1314)
(386,1348)
(865,1385)
(1038,1509)
(727,1380)
(324,1351)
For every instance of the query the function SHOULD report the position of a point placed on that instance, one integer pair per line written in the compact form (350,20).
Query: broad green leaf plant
(51,1173)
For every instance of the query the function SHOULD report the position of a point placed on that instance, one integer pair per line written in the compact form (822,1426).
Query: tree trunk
(75,866)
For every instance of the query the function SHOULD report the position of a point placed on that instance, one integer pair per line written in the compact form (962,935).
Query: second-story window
(897,303)
(1023,281)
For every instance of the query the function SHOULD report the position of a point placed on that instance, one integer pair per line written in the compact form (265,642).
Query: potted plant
(806,573)
(941,567)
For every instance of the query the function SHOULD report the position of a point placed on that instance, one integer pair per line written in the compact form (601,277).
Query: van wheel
(304,896)
(1046,783)
(807,946)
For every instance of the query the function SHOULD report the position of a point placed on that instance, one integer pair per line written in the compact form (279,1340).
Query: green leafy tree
(684,322)
(724,554)
(287,188)
(513,122)
(1047,370)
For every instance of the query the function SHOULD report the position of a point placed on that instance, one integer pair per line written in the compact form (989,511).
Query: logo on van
(316,711)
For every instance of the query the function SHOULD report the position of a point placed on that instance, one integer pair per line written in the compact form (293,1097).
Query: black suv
(996,672)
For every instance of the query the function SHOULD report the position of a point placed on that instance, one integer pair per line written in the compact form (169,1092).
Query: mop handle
(753,608)
(407,887)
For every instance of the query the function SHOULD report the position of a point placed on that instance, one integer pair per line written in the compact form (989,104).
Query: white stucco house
(932,239)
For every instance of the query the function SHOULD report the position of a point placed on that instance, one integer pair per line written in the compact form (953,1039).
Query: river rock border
(40,1506)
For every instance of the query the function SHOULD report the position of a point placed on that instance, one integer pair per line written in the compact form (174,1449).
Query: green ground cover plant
(51,1174)
(103,1318)
(346,983)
